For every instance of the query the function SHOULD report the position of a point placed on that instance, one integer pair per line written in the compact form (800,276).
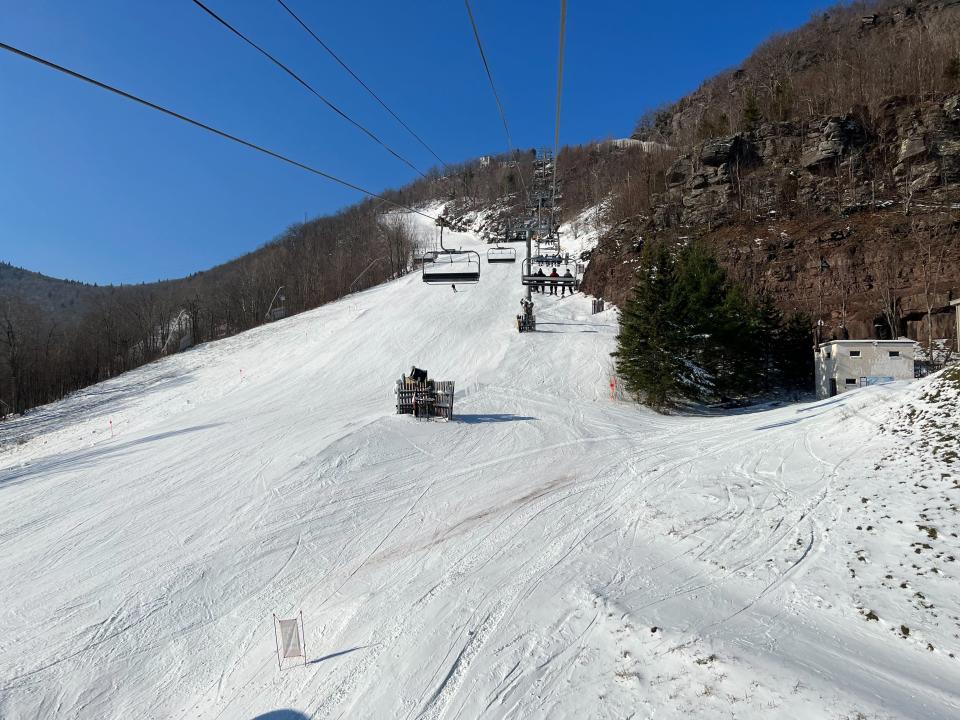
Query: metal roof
(868,341)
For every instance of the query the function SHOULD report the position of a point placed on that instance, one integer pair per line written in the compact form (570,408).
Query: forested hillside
(823,172)
(58,336)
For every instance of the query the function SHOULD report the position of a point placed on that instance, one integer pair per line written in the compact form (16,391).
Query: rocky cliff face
(839,217)
(906,148)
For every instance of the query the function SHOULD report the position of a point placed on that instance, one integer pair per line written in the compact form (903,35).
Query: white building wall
(855,363)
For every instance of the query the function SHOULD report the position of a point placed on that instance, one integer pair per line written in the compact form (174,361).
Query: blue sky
(95,188)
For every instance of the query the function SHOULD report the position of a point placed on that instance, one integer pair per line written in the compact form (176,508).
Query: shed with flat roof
(843,365)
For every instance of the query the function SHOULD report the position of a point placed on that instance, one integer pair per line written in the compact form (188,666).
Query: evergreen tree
(696,304)
(647,355)
(736,351)
(767,337)
(952,71)
(752,116)
(795,360)
(689,333)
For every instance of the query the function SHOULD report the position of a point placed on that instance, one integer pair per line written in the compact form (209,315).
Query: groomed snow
(550,553)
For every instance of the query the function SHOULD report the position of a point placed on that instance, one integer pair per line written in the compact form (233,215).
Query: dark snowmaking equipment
(424,398)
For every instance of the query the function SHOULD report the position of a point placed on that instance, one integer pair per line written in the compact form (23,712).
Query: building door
(833,387)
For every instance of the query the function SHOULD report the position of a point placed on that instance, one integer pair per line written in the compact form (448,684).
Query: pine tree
(696,301)
(767,336)
(952,71)
(795,358)
(646,356)
(737,346)
(752,116)
(689,333)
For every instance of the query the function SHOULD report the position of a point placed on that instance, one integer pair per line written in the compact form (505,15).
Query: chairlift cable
(556,128)
(362,83)
(309,87)
(208,128)
(496,96)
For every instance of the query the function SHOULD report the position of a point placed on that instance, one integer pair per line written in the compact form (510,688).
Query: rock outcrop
(813,213)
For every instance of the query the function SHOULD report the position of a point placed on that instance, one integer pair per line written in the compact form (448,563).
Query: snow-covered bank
(582,233)
(550,553)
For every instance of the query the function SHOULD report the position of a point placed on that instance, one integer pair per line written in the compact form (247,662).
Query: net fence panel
(290,637)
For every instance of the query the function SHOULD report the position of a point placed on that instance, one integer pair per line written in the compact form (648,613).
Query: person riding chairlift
(538,286)
(563,290)
(553,283)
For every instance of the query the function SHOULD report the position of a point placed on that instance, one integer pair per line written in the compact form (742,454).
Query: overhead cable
(493,87)
(309,87)
(208,128)
(362,83)
(556,127)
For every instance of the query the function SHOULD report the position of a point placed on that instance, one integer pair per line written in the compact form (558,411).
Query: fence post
(303,638)
(276,642)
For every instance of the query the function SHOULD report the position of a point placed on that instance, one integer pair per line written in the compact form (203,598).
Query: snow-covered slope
(584,231)
(550,553)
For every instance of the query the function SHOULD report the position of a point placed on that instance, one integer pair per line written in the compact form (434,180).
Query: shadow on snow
(339,653)
(84,458)
(479,418)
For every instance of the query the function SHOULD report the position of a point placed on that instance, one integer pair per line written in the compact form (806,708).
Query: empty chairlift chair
(517,235)
(451,267)
(501,255)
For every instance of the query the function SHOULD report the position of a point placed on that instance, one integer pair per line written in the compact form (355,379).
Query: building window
(894,353)
(851,381)
(827,353)
(854,353)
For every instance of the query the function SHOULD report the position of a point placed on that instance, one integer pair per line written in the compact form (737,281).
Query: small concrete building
(843,365)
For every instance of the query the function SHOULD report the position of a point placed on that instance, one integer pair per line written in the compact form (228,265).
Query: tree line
(44,356)
(854,55)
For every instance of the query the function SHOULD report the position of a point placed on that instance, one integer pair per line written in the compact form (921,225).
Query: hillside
(51,296)
(825,170)
(550,553)
(58,336)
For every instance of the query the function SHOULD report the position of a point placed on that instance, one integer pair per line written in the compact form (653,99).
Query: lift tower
(543,208)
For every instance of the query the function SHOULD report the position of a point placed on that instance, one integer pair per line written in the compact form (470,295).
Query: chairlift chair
(501,255)
(452,266)
(516,232)
(531,266)
(449,266)
(549,244)
(552,260)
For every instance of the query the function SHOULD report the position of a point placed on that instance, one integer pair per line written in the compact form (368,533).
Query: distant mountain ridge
(66,298)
